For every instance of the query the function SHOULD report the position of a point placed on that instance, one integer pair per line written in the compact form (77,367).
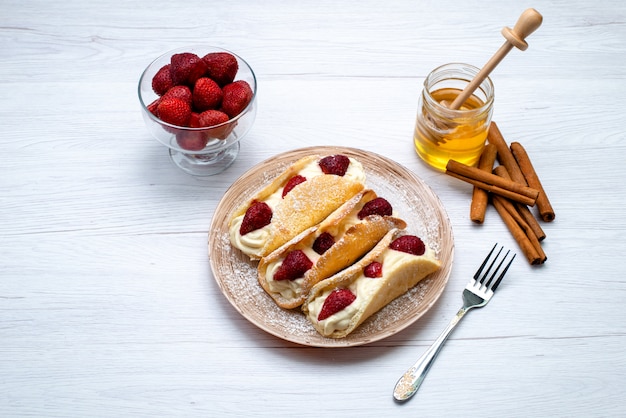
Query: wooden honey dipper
(527,23)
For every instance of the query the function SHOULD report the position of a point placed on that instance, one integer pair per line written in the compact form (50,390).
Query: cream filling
(364,288)
(254,241)
(288,289)
(338,231)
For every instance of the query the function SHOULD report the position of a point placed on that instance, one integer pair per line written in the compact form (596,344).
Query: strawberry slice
(335,164)
(373,270)
(335,302)
(377,206)
(257,216)
(323,243)
(408,244)
(293,266)
(293,182)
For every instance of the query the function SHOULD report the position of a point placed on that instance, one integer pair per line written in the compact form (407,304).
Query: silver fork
(475,295)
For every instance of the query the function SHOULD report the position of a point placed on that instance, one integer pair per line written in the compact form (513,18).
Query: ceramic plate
(414,201)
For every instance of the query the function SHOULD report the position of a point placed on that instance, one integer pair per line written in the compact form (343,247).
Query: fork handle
(413,378)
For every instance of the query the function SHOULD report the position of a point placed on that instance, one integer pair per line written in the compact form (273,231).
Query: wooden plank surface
(108,306)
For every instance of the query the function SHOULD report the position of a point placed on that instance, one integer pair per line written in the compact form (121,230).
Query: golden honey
(442,133)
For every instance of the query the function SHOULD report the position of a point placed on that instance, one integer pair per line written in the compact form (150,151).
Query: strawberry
(186,68)
(293,266)
(191,140)
(162,80)
(237,96)
(152,107)
(257,216)
(373,270)
(210,118)
(408,244)
(335,164)
(336,301)
(377,206)
(179,92)
(323,243)
(174,111)
(221,67)
(293,182)
(194,121)
(206,94)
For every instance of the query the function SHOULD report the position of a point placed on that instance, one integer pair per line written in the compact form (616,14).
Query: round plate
(414,202)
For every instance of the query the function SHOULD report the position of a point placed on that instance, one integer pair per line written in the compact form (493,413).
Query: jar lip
(462,73)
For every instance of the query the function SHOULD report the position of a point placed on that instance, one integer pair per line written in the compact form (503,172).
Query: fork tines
(496,283)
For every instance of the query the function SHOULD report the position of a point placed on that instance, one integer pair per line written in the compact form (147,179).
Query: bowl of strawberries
(199,101)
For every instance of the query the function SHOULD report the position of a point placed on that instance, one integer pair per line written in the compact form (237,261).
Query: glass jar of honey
(441,133)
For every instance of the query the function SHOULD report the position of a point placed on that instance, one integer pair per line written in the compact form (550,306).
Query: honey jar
(442,133)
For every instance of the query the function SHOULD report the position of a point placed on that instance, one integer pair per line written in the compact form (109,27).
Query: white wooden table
(107,303)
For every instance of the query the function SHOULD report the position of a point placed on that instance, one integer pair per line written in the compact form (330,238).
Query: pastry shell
(353,240)
(392,284)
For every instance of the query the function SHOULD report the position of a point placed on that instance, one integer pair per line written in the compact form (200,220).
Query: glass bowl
(198,151)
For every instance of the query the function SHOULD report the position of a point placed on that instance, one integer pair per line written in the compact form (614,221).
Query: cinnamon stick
(515,224)
(480,198)
(543,203)
(531,221)
(492,183)
(523,209)
(505,156)
(538,256)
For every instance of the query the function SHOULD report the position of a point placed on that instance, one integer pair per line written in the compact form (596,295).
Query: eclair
(301,197)
(338,305)
(289,273)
